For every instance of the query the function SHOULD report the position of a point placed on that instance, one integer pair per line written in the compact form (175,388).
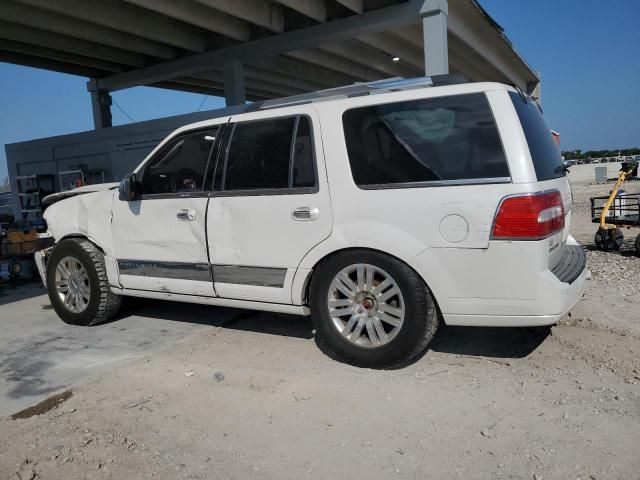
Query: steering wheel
(185,179)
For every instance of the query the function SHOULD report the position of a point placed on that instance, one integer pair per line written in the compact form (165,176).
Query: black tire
(609,240)
(417,330)
(616,239)
(103,304)
(638,246)
(600,239)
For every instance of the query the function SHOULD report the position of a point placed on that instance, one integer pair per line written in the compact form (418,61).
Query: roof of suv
(453,84)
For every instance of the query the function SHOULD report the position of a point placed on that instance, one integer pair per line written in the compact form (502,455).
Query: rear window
(545,153)
(429,140)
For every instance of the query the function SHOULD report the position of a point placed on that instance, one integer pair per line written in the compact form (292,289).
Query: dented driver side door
(160,239)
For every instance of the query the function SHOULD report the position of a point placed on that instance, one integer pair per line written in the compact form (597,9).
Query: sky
(587,52)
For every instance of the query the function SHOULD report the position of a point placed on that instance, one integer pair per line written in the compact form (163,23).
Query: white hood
(98,187)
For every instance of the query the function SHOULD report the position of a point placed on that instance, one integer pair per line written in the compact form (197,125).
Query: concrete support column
(234,91)
(533,89)
(434,30)
(101,106)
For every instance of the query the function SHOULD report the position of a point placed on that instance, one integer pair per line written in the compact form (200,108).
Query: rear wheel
(371,310)
(77,283)
(638,245)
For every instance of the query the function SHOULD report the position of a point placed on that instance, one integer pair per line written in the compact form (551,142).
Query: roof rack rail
(365,88)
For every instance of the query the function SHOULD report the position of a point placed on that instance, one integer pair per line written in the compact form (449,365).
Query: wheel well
(80,236)
(307,285)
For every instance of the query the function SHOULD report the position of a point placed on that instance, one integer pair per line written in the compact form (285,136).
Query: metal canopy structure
(255,49)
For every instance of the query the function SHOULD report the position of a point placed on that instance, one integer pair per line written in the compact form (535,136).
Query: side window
(181,165)
(545,154)
(270,154)
(436,139)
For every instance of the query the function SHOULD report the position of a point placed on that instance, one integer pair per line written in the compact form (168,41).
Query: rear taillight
(529,217)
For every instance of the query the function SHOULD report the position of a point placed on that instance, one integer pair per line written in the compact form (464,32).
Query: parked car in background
(380,215)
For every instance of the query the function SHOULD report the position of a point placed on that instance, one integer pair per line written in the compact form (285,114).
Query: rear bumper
(569,297)
(509,284)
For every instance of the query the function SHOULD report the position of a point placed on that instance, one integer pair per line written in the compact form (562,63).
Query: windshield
(545,153)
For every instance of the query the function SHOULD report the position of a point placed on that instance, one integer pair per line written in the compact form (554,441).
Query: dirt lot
(251,396)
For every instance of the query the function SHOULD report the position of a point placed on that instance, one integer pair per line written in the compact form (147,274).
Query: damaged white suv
(380,209)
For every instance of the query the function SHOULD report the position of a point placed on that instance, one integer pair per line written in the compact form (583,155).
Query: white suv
(380,209)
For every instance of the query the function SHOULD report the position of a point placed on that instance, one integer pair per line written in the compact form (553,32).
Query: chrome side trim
(175,270)
(245,275)
(436,183)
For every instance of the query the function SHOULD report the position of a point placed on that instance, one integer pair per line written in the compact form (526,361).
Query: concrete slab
(40,355)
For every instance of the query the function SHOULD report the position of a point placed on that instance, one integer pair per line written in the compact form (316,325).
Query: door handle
(305,213)
(187,214)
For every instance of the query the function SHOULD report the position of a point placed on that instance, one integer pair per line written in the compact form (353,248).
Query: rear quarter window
(434,140)
(545,154)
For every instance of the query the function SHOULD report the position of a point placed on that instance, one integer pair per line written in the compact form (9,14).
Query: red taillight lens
(529,217)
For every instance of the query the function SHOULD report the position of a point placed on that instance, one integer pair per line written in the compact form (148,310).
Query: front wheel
(77,283)
(371,310)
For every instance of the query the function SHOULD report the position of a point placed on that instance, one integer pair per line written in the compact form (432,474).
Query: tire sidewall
(72,248)
(418,303)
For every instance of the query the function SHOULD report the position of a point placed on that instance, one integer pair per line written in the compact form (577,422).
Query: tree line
(576,154)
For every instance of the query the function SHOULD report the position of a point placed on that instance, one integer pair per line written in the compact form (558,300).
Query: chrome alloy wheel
(366,305)
(72,285)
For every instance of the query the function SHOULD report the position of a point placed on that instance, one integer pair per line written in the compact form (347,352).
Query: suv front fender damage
(84,215)
(87,215)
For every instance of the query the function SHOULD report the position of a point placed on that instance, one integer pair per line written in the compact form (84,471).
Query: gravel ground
(255,398)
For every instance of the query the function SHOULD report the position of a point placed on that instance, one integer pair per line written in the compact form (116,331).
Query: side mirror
(128,188)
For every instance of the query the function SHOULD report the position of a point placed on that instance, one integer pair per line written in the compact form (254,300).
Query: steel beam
(251,83)
(304,70)
(327,58)
(356,6)
(297,40)
(64,43)
(127,18)
(482,39)
(52,54)
(199,15)
(534,89)
(363,61)
(58,23)
(434,15)
(277,78)
(316,9)
(258,12)
(472,64)
(394,46)
(101,107)
(411,34)
(48,64)
(234,93)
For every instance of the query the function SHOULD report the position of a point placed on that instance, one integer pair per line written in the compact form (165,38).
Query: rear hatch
(547,162)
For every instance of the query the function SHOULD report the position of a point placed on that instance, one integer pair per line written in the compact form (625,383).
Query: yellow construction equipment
(625,212)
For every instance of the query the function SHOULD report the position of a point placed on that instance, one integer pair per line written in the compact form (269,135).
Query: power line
(202,103)
(122,110)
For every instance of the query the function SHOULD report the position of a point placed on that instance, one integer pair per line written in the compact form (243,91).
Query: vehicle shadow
(499,343)
(628,249)
(20,290)
(496,342)
(247,320)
